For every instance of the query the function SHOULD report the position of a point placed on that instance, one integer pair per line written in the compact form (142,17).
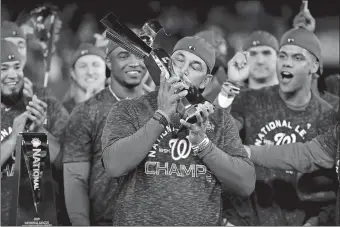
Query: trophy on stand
(33,201)
(155,59)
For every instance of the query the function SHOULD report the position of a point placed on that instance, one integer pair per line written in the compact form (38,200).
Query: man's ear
(315,66)
(108,63)
(205,81)
(73,75)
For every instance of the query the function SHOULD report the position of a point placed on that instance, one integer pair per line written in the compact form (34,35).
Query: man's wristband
(201,146)
(160,118)
(164,114)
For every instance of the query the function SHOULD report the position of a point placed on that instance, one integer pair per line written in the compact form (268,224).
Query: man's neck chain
(115,96)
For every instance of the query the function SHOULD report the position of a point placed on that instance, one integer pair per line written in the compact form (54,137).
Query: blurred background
(235,18)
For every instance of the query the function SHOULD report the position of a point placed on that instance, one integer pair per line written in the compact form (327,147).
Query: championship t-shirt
(83,144)
(268,120)
(57,118)
(171,186)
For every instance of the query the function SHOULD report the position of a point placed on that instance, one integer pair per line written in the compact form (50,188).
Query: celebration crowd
(264,152)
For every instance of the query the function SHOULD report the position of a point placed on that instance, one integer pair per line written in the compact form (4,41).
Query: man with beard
(42,113)
(165,178)
(12,33)
(89,191)
(15,34)
(262,47)
(87,74)
(281,114)
(321,152)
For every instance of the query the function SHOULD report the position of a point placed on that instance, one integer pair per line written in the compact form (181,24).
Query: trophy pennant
(35,155)
(124,36)
(33,199)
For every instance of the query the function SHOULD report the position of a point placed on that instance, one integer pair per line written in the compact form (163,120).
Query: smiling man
(281,114)
(87,74)
(13,33)
(89,191)
(40,113)
(163,179)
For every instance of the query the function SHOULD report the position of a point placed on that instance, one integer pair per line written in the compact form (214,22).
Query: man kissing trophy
(167,147)
(155,59)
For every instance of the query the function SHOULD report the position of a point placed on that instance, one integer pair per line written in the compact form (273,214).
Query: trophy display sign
(157,60)
(33,201)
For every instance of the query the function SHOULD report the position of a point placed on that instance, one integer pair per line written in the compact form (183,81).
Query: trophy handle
(124,36)
(149,32)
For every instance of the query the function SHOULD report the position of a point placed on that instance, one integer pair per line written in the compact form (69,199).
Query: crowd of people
(264,152)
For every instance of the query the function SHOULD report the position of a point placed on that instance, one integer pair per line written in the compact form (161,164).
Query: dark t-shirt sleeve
(325,121)
(119,124)
(77,139)
(328,141)
(233,144)
(238,107)
(58,119)
(57,115)
(303,157)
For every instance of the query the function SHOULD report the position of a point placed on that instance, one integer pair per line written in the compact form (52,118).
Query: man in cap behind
(281,114)
(166,179)
(262,47)
(89,191)
(40,113)
(88,77)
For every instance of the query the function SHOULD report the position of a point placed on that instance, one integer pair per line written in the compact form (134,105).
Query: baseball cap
(305,39)
(87,49)
(261,38)
(9,52)
(11,29)
(200,47)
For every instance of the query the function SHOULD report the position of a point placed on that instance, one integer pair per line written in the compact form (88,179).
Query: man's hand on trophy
(238,67)
(197,131)
(36,113)
(147,83)
(19,123)
(304,19)
(28,88)
(170,92)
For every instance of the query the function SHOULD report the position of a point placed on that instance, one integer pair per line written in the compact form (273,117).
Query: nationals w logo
(180,148)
